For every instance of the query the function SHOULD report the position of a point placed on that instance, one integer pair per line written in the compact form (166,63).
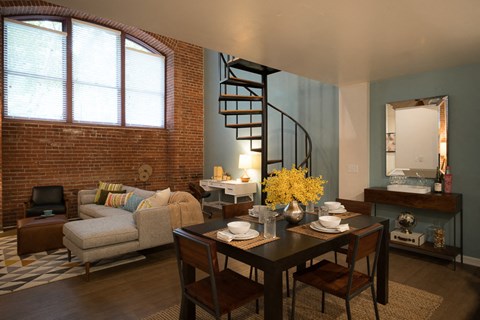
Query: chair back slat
(236,209)
(364,242)
(196,251)
(357,206)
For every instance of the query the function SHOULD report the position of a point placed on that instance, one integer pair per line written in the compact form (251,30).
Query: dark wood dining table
(290,250)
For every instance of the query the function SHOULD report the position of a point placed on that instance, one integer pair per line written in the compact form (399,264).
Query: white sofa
(105,231)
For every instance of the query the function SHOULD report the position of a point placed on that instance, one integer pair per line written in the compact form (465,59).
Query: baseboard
(470,261)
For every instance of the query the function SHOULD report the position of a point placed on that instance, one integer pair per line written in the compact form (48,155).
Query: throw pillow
(160,198)
(145,204)
(106,186)
(132,203)
(104,194)
(117,200)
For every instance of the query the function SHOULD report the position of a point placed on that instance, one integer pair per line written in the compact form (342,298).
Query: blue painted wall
(461,84)
(313,104)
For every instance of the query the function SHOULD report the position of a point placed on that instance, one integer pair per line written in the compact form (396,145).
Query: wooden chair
(358,207)
(345,282)
(220,292)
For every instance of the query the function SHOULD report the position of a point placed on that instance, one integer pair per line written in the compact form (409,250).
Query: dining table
(289,249)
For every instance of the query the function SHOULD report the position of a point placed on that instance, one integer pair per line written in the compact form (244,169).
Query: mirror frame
(442,155)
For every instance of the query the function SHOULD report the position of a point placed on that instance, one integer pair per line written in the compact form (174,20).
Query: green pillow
(104,194)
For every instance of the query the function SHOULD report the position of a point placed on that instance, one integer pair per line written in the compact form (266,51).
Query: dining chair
(240,209)
(220,292)
(345,282)
(362,207)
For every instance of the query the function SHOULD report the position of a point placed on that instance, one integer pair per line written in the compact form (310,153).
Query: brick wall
(78,156)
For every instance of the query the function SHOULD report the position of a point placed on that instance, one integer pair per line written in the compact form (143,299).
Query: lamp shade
(245,161)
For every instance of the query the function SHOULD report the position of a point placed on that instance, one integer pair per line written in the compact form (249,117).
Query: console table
(230,187)
(447,203)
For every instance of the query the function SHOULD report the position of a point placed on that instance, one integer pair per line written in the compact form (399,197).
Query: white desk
(230,187)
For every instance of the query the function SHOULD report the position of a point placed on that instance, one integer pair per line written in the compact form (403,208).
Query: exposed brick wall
(78,156)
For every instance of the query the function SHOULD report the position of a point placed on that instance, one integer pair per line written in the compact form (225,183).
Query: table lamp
(245,162)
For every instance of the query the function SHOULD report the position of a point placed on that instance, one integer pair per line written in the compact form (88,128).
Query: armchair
(46,198)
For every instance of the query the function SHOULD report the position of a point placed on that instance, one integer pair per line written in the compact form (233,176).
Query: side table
(37,234)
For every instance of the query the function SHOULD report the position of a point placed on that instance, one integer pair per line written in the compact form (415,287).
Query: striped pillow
(106,186)
(145,204)
(117,200)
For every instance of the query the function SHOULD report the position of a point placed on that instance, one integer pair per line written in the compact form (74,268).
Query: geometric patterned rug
(31,270)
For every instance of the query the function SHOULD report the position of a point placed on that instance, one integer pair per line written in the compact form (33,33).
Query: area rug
(405,303)
(31,270)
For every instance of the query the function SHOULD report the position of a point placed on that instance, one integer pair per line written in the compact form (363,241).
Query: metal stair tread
(249,66)
(242,82)
(274,161)
(240,112)
(234,97)
(249,138)
(244,125)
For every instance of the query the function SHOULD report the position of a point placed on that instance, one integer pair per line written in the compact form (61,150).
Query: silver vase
(293,213)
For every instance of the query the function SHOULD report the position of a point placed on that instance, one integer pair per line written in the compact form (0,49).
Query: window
(36,76)
(34,71)
(145,94)
(96,74)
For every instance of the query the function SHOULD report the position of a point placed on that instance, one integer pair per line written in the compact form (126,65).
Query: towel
(343,227)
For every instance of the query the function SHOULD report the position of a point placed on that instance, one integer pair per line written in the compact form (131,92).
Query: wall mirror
(416,137)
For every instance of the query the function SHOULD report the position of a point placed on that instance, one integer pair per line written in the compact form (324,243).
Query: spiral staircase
(243,102)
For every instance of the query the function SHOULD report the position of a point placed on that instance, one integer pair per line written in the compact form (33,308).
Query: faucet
(421,180)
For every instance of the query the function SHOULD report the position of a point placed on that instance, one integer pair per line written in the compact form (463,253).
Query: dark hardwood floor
(142,288)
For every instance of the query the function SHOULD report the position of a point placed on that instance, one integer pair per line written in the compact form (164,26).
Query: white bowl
(238,227)
(329,221)
(332,205)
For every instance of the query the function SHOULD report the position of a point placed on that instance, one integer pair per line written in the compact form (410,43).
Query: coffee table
(37,234)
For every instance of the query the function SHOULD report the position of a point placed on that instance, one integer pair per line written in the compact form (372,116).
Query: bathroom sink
(408,188)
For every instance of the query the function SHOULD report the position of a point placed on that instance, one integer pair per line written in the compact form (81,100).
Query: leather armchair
(46,198)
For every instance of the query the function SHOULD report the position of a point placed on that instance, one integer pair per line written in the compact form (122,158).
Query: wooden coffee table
(37,234)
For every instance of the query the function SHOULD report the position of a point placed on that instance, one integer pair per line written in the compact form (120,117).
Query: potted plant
(290,187)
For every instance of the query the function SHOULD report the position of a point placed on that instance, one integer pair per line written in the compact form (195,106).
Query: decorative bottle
(448,180)
(437,186)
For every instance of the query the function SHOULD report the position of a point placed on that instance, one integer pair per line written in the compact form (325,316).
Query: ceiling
(334,41)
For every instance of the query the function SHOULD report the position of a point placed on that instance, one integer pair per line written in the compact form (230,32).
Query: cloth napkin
(225,235)
(343,227)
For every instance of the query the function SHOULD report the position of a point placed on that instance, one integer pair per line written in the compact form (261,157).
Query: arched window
(113,80)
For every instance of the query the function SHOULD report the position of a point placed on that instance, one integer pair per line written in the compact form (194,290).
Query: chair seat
(38,209)
(234,290)
(332,278)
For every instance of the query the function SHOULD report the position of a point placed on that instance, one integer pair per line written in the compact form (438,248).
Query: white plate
(341,210)
(255,215)
(251,233)
(315,225)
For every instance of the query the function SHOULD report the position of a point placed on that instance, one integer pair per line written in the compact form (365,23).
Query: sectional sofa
(106,231)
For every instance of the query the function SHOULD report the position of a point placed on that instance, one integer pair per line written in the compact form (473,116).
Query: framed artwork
(390,141)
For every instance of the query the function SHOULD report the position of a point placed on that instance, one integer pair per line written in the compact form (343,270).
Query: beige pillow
(160,198)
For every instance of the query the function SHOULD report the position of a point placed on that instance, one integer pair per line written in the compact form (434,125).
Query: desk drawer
(236,189)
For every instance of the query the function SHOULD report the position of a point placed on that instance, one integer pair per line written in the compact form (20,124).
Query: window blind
(144,88)
(96,56)
(34,72)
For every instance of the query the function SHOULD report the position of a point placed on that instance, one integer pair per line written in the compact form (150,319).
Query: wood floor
(142,288)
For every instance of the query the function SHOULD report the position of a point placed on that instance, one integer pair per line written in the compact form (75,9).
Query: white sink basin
(408,188)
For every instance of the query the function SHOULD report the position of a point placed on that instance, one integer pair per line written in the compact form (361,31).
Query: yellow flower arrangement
(285,186)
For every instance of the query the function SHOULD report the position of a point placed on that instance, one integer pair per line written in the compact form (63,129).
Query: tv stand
(448,203)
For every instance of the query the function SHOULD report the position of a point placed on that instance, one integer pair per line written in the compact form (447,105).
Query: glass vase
(293,213)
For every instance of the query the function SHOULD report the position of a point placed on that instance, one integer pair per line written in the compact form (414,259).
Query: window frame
(67,28)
